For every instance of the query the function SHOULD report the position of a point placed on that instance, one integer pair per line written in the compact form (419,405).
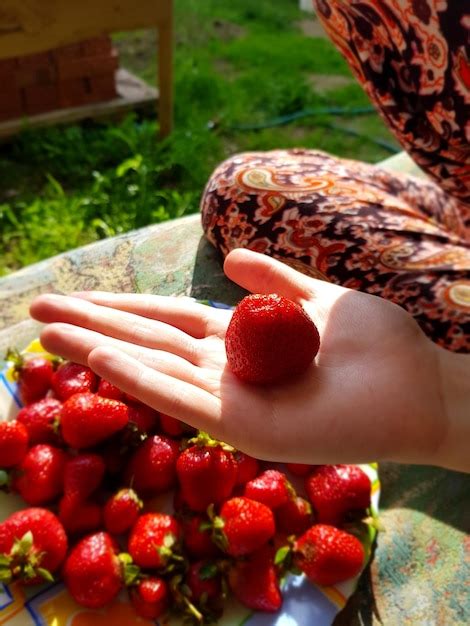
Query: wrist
(454,374)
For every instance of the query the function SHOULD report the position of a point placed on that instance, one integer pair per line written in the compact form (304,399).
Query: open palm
(372,392)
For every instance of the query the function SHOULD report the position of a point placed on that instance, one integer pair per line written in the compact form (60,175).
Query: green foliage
(236,63)
(112,202)
(285,54)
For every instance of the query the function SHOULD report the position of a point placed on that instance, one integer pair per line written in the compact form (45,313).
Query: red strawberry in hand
(328,555)
(33,545)
(83,474)
(71,378)
(152,468)
(121,511)
(34,375)
(41,420)
(254,582)
(41,474)
(13,443)
(93,572)
(150,597)
(337,490)
(152,539)
(246,526)
(207,475)
(271,488)
(88,419)
(270,339)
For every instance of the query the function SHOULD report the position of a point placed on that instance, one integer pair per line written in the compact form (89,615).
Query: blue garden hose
(292,117)
(336,111)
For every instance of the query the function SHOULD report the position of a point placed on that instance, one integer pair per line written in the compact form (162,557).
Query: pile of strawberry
(97,458)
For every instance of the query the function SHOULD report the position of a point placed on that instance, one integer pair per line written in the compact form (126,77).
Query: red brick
(68,76)
(35,61)
(7,66)
(103,87)
(72,92)
(40,98)
(8,78)
(72,51)
(86,66)
(30,76)
(97,46)
(11,103)
(10,114)
(10,95)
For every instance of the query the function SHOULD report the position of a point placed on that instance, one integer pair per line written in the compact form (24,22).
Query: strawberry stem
(193,610)
(180,593)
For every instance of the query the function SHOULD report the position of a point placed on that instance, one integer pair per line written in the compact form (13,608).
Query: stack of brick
(69,76)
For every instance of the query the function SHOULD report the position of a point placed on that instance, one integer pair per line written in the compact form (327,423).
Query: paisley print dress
(402,238)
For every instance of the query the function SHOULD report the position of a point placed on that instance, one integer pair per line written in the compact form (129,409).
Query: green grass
(237,63)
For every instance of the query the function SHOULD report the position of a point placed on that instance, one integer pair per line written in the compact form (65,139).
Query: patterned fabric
(413,59)
(402,238)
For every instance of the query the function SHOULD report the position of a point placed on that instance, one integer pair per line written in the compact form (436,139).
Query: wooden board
(32,26)
(133,94)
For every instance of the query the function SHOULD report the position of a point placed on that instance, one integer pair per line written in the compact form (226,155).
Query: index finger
(169,394)
(198,320)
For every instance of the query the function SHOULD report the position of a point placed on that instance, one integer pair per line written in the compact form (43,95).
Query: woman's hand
(373,392)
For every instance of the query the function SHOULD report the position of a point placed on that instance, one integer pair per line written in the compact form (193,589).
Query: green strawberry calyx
(169,554)
(131,494)
(23,562)
(284,558)
(14,357)
(17,359)
(204,440)
(131,573)
(215,525)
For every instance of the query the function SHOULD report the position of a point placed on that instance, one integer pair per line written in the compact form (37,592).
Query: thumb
(259,273)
